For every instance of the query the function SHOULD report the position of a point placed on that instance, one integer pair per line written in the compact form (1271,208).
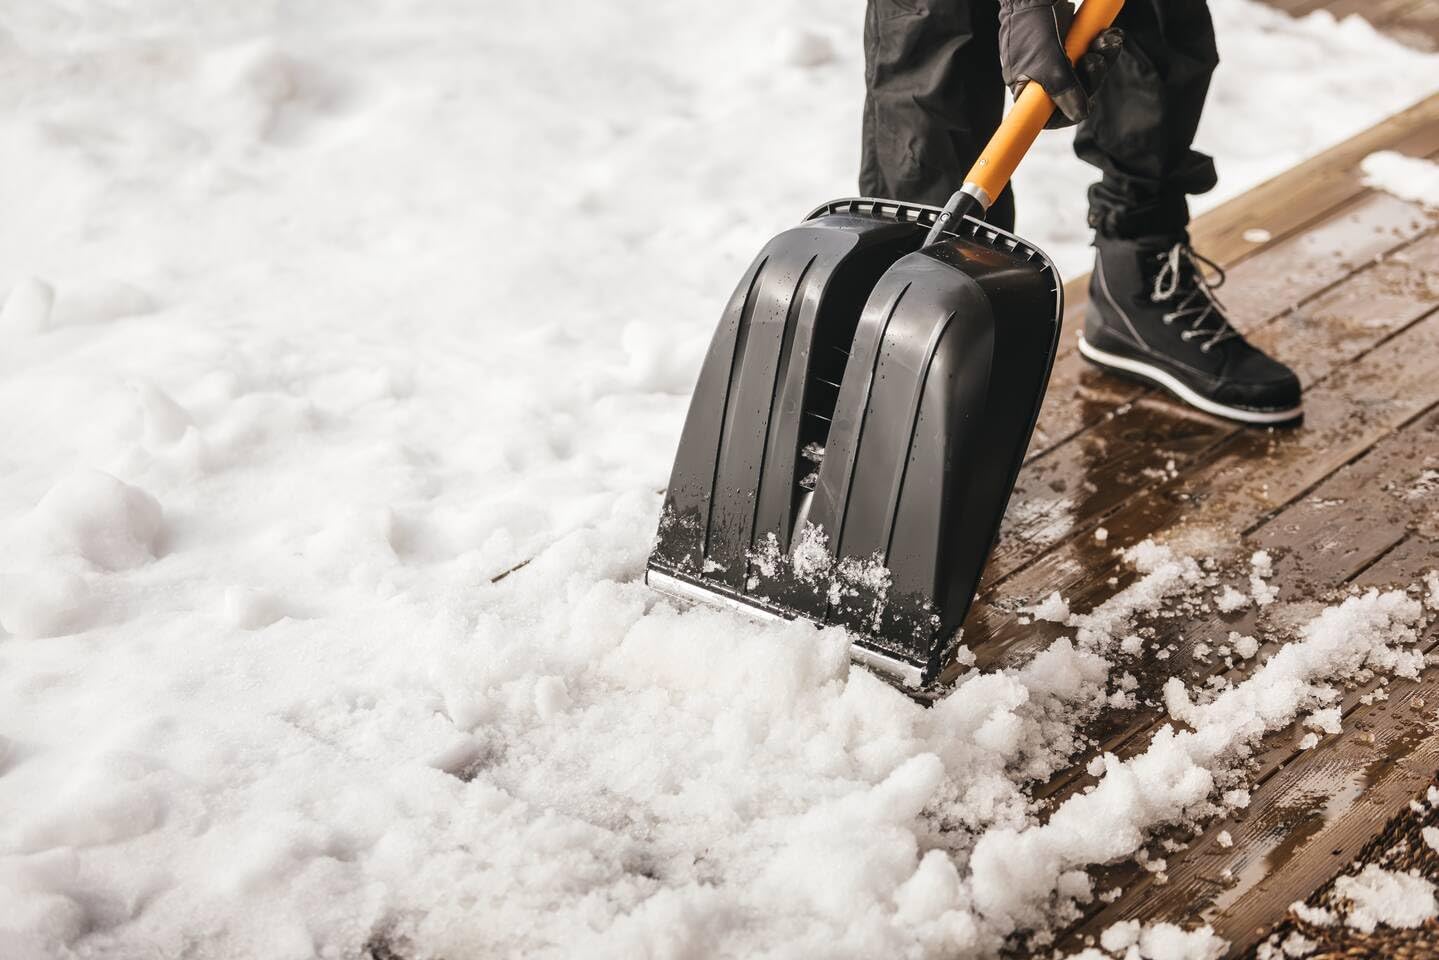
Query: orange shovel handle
(991,172)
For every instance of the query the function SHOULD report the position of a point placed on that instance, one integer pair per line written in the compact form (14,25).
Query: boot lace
(1184,273)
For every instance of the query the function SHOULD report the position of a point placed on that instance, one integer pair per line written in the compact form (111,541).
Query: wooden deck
(1414,22)
(1342,283)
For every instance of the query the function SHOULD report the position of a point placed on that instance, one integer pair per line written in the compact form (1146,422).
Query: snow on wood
(1408,178)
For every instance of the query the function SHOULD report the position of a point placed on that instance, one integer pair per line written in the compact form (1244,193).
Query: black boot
(1153,315)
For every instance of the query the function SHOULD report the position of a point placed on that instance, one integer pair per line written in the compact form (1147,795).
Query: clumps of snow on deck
(1052,608)
(1261,568)
(1230,600)
(1364,636)
(1409,178)
(1131,940)
(1174,780)
(1389,897)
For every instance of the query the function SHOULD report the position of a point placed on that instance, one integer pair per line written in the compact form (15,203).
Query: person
(935,74)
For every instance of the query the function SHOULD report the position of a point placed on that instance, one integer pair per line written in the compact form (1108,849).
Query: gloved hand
(1031,47)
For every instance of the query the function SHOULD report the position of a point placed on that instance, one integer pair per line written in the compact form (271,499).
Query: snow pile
(93,516)
(1408,178)
(343,349)
(1378,896)
(1129,940)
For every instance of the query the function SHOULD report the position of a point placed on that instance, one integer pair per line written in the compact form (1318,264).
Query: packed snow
(343,350)
(1408,178)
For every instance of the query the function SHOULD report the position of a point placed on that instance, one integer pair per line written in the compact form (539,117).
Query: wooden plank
(1347,417)
(1309,820)
(1294,8)
(1306,193)
(1310,813)
(1338,8)
(1347,413)
(1416,25)
(1372,495)
(1384,12)
(1282,206)
(1079,396)
(1075,485)
(1355,517)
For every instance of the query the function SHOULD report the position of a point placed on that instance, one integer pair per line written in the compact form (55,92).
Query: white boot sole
(1162,378)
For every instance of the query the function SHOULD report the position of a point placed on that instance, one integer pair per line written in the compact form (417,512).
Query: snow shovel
(863,411)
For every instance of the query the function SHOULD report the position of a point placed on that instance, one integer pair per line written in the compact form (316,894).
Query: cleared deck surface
(1342,283)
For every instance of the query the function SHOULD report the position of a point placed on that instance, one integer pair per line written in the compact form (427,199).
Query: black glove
(1031,47)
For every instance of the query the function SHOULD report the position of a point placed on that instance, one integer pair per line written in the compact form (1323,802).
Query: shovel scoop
(863,410)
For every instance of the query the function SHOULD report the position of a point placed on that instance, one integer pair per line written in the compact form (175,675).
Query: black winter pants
(935,96)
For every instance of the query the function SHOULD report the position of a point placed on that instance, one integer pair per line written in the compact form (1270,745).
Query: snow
(27,307)
(1431,837)
(1175,775)
(319,318)
(1328,720)
(1230,600)
(1261,569)
(1120,936)
(1378,896)
(1298,945)
(1244,646)
(1052,608)
(1158,941)
(1165,941)
(1314,916)
(1408,178)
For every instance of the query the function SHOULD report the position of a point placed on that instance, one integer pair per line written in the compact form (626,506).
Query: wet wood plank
(1350,296)
(1337,532)
(1311,810)
(1281,207)
(1417,25)
(1220,492)
(1131,448)
(1356,517)
(1209,508)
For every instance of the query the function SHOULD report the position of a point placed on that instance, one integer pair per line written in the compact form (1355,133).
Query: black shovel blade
(852,466)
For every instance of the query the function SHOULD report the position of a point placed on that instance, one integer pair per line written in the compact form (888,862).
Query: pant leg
(1143,124)
(934,95)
